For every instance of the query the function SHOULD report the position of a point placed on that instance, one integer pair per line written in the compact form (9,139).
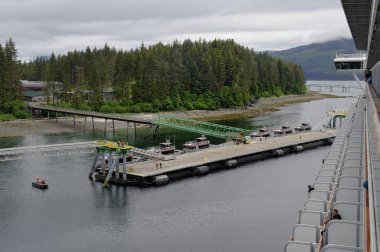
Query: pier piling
(93,125)
(105,127)
(113,128)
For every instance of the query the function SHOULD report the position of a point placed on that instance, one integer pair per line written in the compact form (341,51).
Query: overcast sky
(40,27)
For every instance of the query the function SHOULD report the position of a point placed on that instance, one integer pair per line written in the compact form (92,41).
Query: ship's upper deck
(362,17)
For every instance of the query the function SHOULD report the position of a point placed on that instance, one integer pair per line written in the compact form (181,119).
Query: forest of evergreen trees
(187,75)
(11,106)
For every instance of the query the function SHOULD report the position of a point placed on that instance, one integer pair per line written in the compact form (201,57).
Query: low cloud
(40,27)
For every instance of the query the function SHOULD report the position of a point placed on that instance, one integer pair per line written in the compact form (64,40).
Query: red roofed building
(32,90)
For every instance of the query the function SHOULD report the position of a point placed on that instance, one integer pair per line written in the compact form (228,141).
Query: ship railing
(351,55)
(329,187)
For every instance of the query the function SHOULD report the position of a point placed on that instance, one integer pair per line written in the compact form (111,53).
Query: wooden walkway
(195,159)
(106,116)
(47,150)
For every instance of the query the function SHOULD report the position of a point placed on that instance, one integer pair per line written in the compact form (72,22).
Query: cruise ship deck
(349,178)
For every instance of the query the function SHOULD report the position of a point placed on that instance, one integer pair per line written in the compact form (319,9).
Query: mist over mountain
(317,59)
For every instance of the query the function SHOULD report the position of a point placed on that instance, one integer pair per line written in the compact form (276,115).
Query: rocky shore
(50,126)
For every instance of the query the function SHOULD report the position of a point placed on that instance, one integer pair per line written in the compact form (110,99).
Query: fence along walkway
(351,161)
(116,117)
(331,115)
(47,150)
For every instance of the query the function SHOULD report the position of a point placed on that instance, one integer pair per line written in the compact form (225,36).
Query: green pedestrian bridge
(201,127)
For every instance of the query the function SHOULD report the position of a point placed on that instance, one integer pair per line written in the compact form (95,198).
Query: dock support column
(117,171)
(31,113)
(93,168)
(48,115)
(155,133)
(93,126)
(109,159)
(124,166)
(56,117)
(66,118)
(112,165)
(84,127)
(103,162)
(74,119)
(105,126)
(113,128)
(126,132)
(135,133)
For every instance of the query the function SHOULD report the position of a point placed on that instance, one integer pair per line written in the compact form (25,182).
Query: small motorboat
(285,129)
(304,127)
(197,144)
(165,148)
(263,132)
(40,183)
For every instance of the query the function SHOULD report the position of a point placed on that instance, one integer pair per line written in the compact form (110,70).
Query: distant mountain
(316,59)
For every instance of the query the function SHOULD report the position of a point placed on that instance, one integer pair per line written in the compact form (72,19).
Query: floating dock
(229,155)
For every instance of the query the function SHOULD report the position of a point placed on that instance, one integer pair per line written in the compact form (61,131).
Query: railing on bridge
(107,116)
(330,117)
(47,150)
(201,127)
(147,153)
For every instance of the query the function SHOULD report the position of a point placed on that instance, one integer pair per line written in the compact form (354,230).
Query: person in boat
(310,188)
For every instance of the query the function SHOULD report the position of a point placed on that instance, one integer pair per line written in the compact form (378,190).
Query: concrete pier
(226,156)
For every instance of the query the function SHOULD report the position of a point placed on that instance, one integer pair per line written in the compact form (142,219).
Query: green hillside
(180,75)
(316,59)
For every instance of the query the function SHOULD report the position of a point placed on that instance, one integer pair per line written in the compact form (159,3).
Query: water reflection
(251,208)
(109,196)
(9,142)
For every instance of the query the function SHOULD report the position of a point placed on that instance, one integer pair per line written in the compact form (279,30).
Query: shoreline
(23,127)
(260,107)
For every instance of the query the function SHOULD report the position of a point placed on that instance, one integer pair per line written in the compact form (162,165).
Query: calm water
(250,208)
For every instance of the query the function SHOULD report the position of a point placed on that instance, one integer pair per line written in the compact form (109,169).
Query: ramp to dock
(201,127)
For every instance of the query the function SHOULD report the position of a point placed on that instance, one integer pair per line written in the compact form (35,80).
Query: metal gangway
(330,117)
(201,127)
(47,150)
(147,153)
